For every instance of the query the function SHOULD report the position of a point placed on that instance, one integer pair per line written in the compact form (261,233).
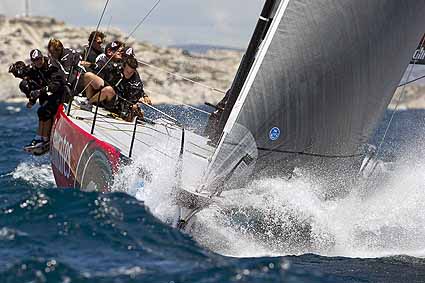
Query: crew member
(31,79)
(66,59)
(105,65)
(45,82)
(113,53)
(125,96)
(95,40)
(128,51)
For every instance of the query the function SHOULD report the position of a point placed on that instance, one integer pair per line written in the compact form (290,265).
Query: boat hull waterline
(78,158)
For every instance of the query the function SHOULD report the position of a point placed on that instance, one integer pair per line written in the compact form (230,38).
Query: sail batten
(323,78)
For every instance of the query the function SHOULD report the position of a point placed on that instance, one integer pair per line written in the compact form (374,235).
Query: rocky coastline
(213,70)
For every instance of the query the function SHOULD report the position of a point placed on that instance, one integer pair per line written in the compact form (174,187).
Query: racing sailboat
(318,85)
(315,81)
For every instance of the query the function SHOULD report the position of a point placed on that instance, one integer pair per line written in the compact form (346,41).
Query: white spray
(387,219)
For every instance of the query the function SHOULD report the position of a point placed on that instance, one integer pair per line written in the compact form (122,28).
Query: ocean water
(64,235)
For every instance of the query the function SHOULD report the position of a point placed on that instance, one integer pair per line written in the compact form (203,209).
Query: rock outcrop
(214,69)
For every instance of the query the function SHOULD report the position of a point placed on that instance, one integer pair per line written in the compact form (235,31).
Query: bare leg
(106,94)
(44,128)
(93,84)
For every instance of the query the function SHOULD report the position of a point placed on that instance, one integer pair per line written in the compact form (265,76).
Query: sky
(214,22)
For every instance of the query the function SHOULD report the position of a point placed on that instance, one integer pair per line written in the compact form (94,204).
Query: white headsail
(320,83)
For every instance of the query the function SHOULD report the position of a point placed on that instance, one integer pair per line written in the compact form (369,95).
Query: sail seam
(310,154)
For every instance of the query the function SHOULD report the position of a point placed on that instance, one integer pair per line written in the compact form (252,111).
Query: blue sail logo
(274,133)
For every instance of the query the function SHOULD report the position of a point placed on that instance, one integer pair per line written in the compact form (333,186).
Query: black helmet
(35,54)
(114,45)
(129,51)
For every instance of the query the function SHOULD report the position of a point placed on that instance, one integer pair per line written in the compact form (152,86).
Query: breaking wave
(66,235)
(37,172)
(388,221)
(155,190)
(273,217)
(383,216)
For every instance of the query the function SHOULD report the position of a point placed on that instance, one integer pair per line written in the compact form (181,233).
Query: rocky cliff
(215,69)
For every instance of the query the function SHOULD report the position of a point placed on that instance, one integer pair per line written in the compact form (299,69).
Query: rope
(97,29)
(125,41)
(412,81)
(126,133)
(153,108)
(182,103)
(161,112)
(182,77)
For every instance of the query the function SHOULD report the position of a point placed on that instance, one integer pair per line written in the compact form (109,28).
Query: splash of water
(36,171)
(155,190)
(292,217)
(13,109)
(278,217)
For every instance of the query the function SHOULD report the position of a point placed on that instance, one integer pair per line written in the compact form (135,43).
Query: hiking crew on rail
(108,78)
(44,82)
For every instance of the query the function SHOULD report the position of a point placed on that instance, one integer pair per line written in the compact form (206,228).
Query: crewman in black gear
(66,59)
(128,51)
(130,91)
(31,79)
(113,53)
(105,64)
(126,93)
(44,82)
(89,55)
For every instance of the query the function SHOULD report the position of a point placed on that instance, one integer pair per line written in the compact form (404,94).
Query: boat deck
(160,139)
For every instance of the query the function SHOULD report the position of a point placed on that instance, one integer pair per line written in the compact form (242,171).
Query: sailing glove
(35,94)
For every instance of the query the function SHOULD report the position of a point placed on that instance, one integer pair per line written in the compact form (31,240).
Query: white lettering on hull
(61,154)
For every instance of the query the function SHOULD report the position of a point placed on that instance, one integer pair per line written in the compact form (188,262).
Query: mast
(260,31)
(27,8)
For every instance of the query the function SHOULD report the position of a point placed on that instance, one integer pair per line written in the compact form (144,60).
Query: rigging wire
(182,103)
(97,29)
(182,77)
(412,81)
(149,65)
(174,120)
(125,41)
(161,112)
(142,21)
(403,92)
(109,25)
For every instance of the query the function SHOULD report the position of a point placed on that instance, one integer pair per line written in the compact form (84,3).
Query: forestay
(321,81)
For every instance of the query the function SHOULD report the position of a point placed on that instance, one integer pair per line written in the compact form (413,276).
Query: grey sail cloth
(326,79)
